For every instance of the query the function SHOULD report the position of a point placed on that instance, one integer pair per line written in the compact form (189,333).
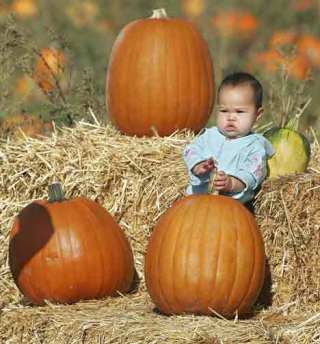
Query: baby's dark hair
(242,78)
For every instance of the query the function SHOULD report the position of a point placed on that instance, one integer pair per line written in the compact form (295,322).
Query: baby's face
(237,110)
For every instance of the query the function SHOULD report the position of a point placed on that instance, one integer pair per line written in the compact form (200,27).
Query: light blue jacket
(244,158)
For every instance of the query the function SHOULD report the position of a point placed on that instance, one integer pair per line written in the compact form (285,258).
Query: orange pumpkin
(67,250)
(205,253)
(160,77)
(49,69)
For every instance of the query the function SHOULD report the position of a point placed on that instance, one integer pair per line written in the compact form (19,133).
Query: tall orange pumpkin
(205,254)
(67,250)
(160,77)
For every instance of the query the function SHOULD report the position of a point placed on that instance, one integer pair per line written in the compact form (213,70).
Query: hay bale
(137,180)
(288,213)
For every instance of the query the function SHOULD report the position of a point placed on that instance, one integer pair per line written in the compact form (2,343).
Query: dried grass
(137,180)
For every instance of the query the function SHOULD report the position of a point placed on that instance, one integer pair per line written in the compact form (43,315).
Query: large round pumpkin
(68,250)
(292,152)
(160,77)
(205,255)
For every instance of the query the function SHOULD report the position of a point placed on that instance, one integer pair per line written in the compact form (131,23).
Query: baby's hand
(203,167)
(222,182)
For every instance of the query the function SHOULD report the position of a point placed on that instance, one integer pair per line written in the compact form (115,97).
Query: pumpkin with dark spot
(68,250)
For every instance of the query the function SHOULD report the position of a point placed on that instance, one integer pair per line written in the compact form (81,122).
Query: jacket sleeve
(192,155)
(252,170)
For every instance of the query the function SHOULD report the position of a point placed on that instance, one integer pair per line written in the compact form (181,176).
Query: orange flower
(82,14)
(193,8)
(297,67)
(24,8)
(302,5)
(235,23)
(269,59)
(281,38)
(247,23)
(309,46)
(103,25)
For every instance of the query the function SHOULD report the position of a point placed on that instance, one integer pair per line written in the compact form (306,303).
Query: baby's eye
(223,110)
(240,111)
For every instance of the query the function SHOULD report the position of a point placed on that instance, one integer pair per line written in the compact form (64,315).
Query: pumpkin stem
(159,13)
(55,193)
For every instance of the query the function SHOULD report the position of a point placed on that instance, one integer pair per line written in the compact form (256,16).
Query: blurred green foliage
(86,29)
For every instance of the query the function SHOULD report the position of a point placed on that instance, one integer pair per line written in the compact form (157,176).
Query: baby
(231,148)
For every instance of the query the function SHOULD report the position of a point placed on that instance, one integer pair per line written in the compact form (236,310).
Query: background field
(250,35)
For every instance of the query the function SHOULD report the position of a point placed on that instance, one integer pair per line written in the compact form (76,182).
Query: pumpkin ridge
(57,238)
(144,98)
(176,109)
(129,92)
(150,265)
(66,233)
(40,258)
(222,224)
(204,239)
(178,77)
(190,246)
(204,87)
(234,214)
(68,211)
(189,74)
(210,81)
(179,237)
(72,211)
(112,104)
(217,228)
(147,114)
(198,71)
(151,116)
(123,120)
(162,125)
(89,212)
(34,271)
